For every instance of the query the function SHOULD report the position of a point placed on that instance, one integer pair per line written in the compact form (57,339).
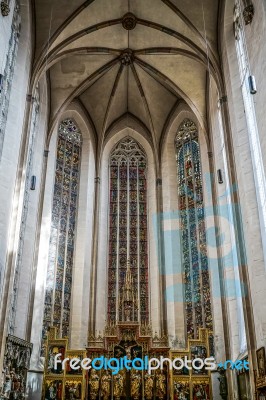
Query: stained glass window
(128,252)
(8,73)
(193,234)
(63,226)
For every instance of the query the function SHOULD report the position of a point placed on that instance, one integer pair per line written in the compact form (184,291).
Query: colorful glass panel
(128,228)
(63,226)
(196,279)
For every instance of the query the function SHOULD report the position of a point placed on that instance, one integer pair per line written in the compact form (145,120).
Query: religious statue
(188,164)
(118,386)
(161,385)
(15,365)
(148,387)
(106,385)
(128,300)
(51,357)
(94,384)
(261,362)
(77,391)
(128,351)
(72,392)
(17,386)
(182,391)
(127,311)
(135,384)
(52,391)
(59,390)
(200,393)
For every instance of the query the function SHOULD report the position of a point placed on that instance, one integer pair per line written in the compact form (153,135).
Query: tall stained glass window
(128,252)
(198,308)
(8,73)
(63,226)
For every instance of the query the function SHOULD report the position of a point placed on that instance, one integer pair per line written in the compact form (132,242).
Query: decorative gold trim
(191,378)
(65,377)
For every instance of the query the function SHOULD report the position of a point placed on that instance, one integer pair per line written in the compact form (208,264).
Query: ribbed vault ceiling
(116,64)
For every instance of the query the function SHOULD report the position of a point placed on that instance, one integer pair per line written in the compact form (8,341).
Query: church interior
(132,197)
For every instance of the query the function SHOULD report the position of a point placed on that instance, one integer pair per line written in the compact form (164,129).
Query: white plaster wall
(246,186)
(31,229)
(102,264)
(256,46)
(228,251)
(5,31)
(14,126)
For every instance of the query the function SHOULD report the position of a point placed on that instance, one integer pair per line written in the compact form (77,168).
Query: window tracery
(8,73)
(128,249)
(196,279)
(63,226)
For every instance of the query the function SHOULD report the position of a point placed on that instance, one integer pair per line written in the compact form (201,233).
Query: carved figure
(135,384)
(181,391)
(17,353)
(161,385)
(94,383)
(148,387)
(127,312)
(52,391)
(118,386)
(199,393)
(106,385)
